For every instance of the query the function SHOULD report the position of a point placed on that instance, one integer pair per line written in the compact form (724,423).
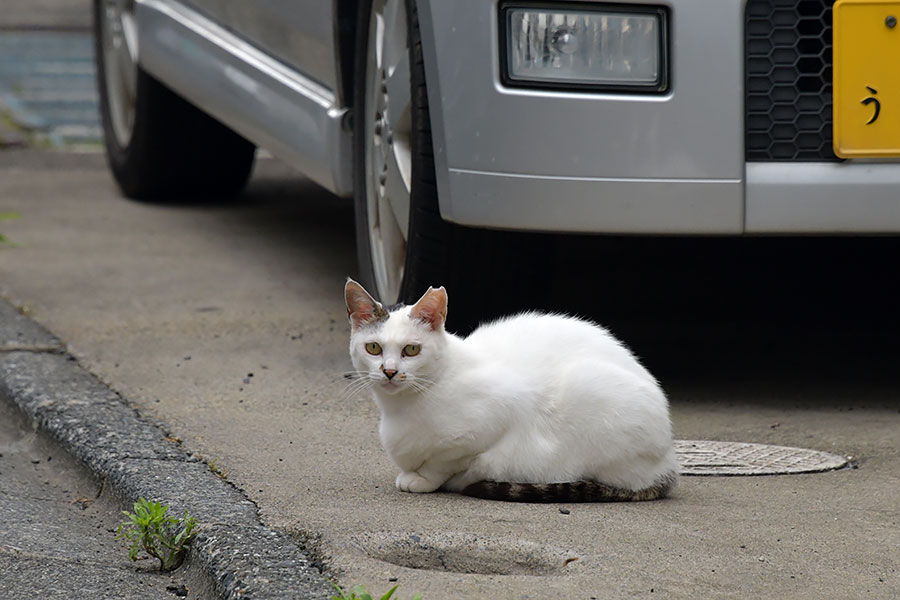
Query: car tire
(159,146)
(488,273)
(403,244)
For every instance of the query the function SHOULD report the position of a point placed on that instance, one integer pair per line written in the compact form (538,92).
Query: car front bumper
(627,163)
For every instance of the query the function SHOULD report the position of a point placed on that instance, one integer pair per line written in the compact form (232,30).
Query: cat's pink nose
(389,373)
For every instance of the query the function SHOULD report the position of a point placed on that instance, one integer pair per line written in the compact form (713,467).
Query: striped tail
(571,491)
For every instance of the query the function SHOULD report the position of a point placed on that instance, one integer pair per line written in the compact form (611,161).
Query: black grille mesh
(788,102)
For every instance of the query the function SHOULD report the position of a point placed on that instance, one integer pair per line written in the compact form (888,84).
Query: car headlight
(618,47)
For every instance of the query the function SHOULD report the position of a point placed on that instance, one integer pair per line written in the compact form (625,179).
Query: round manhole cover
(741,458)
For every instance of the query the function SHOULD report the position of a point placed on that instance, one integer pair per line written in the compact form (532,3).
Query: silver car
(446,118)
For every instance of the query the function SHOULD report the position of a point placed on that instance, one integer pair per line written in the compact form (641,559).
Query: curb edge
(238,556)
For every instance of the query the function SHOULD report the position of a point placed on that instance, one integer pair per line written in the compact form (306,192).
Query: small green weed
(359,593)
(165,538)
(215,468)
(6,217)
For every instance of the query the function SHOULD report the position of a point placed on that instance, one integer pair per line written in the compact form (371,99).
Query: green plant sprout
(149,528)
(6,217)
(359,593)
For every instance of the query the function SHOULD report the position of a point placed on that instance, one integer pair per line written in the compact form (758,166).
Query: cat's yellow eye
(373,348)
(411,349)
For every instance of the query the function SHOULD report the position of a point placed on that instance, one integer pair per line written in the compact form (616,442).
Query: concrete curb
(234,553)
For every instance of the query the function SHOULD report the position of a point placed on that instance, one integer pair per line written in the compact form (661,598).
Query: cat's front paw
(410,481)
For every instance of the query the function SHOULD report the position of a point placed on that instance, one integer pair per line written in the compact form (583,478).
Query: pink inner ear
(432,308)
(361,307)
(359,318)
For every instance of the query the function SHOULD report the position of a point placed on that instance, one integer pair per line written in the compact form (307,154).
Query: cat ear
(362,309)
(431,308)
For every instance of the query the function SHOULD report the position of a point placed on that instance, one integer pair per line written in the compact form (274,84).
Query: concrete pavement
(226,325)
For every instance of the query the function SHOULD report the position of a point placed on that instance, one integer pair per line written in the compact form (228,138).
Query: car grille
(788,87)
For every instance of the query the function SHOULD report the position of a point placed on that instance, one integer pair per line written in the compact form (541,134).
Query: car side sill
(292,116)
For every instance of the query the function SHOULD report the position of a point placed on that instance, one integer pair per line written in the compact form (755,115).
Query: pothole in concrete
(465,553)
(742,458)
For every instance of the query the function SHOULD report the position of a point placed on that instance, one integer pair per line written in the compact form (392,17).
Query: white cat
(533,408)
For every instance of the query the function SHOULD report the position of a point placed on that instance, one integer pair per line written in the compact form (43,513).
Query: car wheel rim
(388,130)
(120,52)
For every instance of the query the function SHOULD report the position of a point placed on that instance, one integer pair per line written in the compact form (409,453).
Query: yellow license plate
(866,88)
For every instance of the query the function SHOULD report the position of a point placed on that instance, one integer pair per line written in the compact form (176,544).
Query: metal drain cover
(741,458)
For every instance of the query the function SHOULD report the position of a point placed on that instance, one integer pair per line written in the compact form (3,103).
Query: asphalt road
(47,90)
(59,15)
(227,324)
(48,94)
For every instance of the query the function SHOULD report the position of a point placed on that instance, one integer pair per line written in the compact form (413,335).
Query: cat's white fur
(535,398)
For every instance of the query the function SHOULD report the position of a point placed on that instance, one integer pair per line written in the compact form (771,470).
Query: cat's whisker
(351,375)
(418,386)
(343,386)
(346,378)
(357,385)
(357,390)
(424,380)
(349,395)
(354,375)
(362,382)
(365,382)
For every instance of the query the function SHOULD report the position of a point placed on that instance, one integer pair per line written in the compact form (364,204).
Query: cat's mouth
(392,386)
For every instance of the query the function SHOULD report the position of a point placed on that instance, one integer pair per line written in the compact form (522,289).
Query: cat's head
(396,349)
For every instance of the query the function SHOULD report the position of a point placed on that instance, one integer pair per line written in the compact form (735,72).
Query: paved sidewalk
(217,335)
(226,325)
